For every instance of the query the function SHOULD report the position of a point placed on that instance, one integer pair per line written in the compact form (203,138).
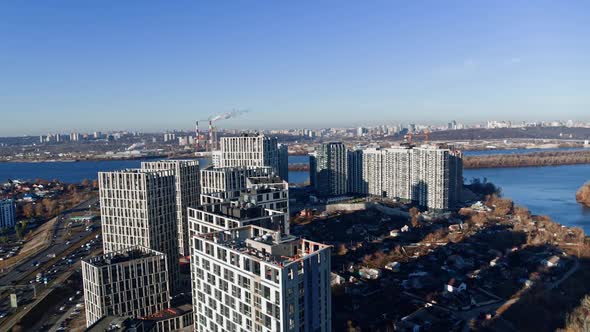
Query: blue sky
(156,65)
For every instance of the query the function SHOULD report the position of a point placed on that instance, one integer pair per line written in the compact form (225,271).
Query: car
(3,314)
(62,308)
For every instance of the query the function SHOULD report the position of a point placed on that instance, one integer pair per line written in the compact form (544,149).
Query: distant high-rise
(186,173)
(138,208)
(7,213)
(436,177)
(254,279)
(283,165)
(330,169)
(355,172)
(131,282)
(428,176)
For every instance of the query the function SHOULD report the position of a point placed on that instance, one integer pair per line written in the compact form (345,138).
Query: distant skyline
(151,66)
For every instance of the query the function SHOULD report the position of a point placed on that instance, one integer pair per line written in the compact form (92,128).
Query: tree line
(552,158)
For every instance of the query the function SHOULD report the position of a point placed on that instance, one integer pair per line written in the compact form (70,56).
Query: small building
(394,233)
(368,273)
(393,266)
(336,279)
(552,261)
(454,286)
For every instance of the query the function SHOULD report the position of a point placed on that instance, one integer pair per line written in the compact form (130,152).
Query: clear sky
(156,65)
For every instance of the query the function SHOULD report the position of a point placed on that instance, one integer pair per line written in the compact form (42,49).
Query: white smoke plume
(227,115)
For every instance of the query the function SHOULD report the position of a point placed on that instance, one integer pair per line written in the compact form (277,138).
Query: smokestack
(197,134)
(211,135)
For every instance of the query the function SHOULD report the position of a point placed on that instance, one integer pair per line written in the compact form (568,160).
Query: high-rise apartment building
(249,150)
(186,173)
(229,180)
(330,169)
(7,213)
(436,177)
(253,150)
(283,164)
(220,216)
(429,176)
(138,207)
(132,282)
(254,279)
(355,172)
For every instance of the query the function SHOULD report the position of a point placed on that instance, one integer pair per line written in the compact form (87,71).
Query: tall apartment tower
(430,176)
(249,150)
(186,173)
(131,282)
(7,213)
(436,177)
(355,172)
(253,279)
(283,155)
(138,208)
(330,171)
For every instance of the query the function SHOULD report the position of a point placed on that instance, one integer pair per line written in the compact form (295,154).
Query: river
(544,190)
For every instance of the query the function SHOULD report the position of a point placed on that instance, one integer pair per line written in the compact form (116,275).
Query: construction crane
(425,133)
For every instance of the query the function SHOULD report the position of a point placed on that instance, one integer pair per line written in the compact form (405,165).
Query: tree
(20,229)
(342,249)
(72,188)
(39,210)
(28,211)
(49,205)
(85,183)
(414,213)
(94,184)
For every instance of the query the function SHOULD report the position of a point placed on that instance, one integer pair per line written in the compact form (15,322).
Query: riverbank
(535,159)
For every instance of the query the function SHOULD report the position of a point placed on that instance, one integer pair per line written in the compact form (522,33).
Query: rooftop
(123,256)
(263,244)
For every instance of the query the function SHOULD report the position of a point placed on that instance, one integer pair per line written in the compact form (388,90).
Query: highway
(57,246)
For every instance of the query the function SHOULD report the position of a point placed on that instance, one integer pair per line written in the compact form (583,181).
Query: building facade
(138,207)
(283,163)
(229,180)
(226,215)
(330,169)
(429,176)
(7,213)
(253,279)
(249,151)
(132,282)
(186,173)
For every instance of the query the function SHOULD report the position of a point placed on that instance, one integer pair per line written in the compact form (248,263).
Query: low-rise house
(454,286)
(371,274)
(393,266)
(552,261)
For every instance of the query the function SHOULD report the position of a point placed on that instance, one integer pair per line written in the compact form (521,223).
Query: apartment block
(7,213)
(131,282)
(329,169)
(230,181)
(138,207)
(226,215)
(249,150)
(430,176)
(254,279)
(186,174)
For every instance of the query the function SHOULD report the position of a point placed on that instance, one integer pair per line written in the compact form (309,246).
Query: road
(58,245)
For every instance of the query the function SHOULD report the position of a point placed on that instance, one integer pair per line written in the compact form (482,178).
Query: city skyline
(156,66)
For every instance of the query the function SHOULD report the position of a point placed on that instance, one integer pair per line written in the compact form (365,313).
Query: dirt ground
(34,242)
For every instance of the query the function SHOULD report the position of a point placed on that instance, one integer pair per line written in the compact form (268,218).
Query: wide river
(544,190)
